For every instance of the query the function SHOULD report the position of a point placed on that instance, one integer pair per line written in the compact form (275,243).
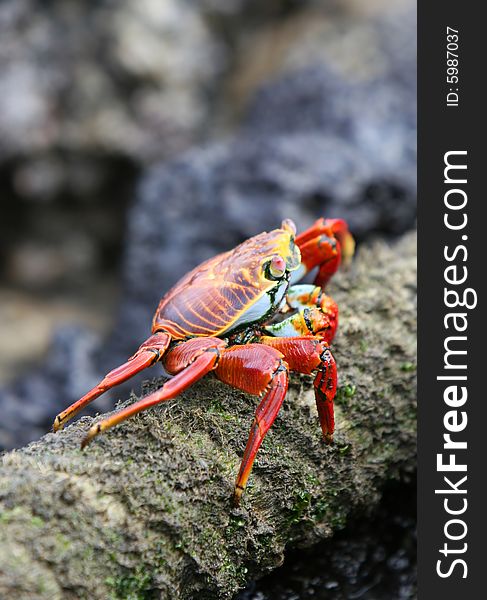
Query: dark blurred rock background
(139,138)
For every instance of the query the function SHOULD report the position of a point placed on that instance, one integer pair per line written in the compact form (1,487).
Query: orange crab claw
(325,244)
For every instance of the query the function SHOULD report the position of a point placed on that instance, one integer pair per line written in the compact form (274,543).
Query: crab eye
(289,225)
(275,268)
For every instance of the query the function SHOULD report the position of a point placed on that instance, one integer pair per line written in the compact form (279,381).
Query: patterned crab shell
(231,290)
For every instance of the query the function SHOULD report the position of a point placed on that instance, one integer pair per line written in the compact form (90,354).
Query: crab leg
(193,359)
(325,385)
(323,245)
(306,355)
(255,369)
(148,353)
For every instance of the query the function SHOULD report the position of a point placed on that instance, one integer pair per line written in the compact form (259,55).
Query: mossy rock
(145,511)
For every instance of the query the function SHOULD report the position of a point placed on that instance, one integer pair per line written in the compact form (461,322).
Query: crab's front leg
(308,355)
(323,245)
(317,314)
(262,371)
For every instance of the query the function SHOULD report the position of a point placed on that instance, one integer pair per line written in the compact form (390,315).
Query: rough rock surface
(146,508)
(373,558)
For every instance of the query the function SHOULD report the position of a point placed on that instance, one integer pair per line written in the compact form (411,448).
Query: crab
(241,316)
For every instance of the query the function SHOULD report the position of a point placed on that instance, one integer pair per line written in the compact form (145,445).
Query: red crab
(240,315)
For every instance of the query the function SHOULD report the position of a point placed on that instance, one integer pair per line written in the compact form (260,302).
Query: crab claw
(340,230)
(348,247)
